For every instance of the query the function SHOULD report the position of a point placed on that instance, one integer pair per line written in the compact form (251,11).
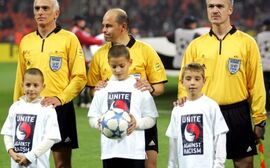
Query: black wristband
(58,99)
(152,90)
(261,124)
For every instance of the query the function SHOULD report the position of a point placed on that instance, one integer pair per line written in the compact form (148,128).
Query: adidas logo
(249,149)
(152,143)
(67,139)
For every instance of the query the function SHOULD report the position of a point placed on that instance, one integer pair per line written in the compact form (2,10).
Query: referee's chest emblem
(234,65)
(55,63)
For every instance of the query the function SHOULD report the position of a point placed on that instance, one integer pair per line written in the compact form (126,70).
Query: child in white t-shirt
(197,130)
(30,129)
(121,93)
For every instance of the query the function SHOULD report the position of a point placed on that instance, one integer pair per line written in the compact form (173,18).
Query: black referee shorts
(151,139)
(240,138)
(67,125)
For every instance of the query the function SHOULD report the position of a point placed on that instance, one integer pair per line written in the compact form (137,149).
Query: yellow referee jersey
(146,64)
(60,57)
(233,69)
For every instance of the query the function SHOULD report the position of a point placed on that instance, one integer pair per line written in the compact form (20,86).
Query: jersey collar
(130,43)
(56,30)
(232,31)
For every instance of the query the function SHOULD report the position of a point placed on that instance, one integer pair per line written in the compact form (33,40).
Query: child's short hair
(193,67)
(118,50)
(34,71)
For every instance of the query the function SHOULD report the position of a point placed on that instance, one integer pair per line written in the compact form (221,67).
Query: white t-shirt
(29,124)
(140,104)
(194,126)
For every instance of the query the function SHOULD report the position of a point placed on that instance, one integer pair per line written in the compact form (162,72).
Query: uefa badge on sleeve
(55,63)
(234,65)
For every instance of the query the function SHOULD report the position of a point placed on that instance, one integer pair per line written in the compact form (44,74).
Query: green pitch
(88,155)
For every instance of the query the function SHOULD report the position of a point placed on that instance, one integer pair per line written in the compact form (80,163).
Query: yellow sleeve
(255,83)
(155,70)
(93,74)
(18,92)
(76,65)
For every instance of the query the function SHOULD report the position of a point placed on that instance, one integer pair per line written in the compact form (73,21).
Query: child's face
(193,81)
(119,67)
(32,86)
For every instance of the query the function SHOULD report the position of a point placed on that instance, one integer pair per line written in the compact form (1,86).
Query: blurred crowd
(148,17)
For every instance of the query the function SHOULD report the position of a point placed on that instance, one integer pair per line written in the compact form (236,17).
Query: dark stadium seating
(151,17)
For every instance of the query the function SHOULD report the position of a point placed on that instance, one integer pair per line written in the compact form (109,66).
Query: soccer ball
(114,123)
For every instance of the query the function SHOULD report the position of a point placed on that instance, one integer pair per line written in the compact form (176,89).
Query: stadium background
(152,18)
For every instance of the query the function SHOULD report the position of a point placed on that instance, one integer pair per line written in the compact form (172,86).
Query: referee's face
(45,13)
(110,28)
(219,11)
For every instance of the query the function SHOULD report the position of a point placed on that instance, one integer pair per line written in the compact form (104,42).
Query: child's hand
(14,155)
(99,124)
(132,125)
(24,161)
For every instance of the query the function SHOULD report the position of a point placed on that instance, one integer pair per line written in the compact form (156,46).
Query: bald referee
(58,54)
(146,67)
(234,79)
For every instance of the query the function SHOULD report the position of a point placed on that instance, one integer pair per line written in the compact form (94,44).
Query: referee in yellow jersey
(234,79)
(146,66)
(58,54)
